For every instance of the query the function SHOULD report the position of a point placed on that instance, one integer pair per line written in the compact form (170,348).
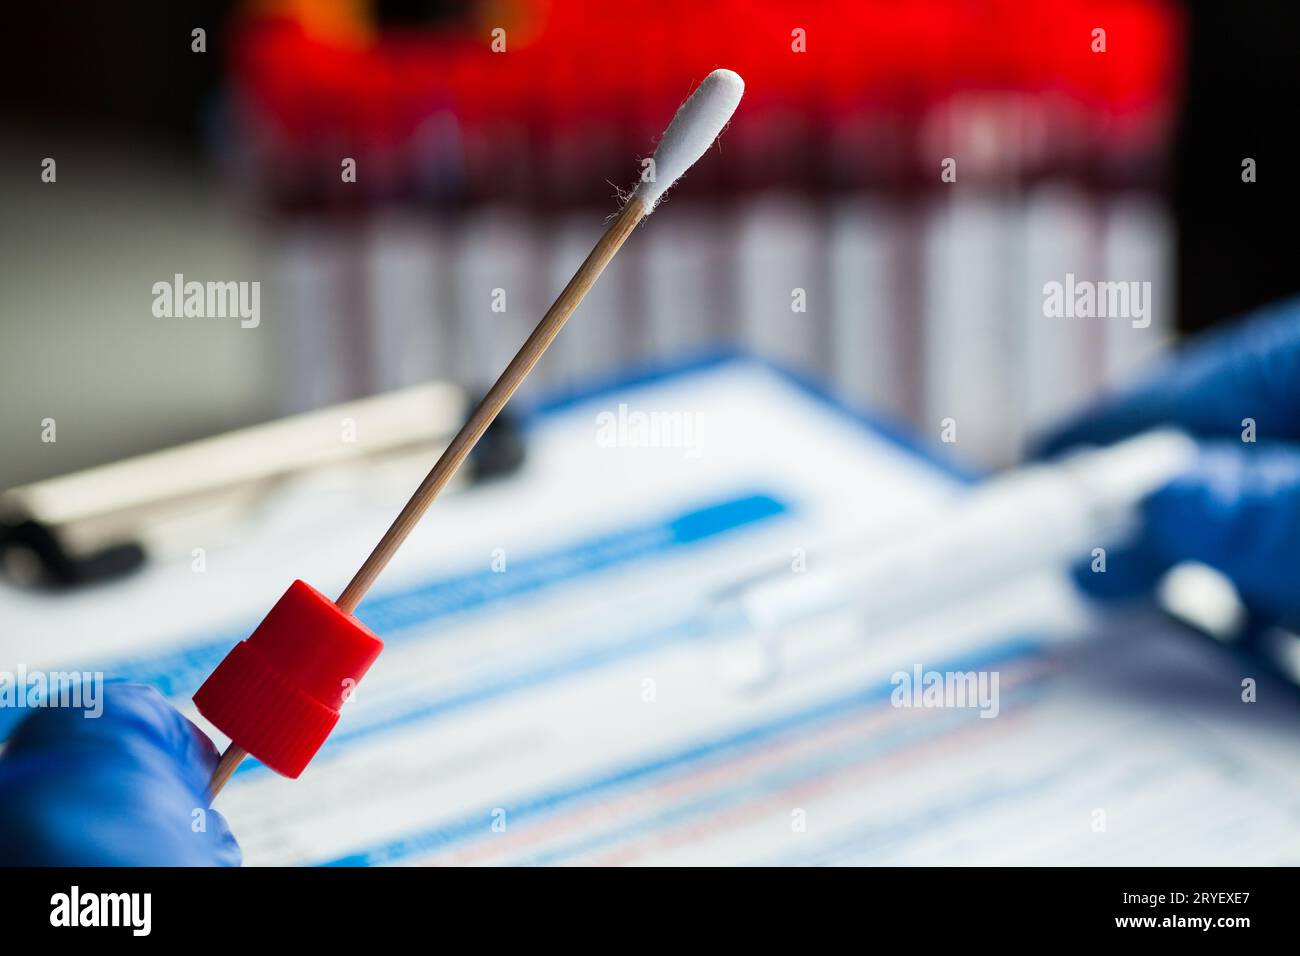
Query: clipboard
(554,696)
(103,522)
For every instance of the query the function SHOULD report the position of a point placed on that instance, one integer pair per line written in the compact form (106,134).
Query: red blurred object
(591,68)
(278,693)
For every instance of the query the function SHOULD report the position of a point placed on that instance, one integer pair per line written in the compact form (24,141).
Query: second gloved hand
(1237,509)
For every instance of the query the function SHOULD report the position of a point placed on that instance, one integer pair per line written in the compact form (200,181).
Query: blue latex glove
(121,789)
(1237,508)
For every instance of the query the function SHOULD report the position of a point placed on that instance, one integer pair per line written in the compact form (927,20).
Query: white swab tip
(697,124)
(725,83)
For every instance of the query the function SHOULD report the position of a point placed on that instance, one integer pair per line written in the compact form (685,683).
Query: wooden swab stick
(692,131)
(477,423)
(230,760)
(495,400)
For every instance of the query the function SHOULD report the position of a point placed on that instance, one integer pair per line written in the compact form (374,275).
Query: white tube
(1036,517)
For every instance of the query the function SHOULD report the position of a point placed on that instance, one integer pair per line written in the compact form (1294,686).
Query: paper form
(571,707)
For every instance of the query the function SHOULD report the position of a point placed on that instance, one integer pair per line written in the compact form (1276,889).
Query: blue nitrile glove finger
(1248,372)
(1130,572)
(1236,509)
(125,788)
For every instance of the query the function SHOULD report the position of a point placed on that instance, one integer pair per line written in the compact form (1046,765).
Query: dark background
(1235,241)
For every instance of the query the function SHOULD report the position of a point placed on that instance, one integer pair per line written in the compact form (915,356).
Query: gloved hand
(125,788)
(1237,508)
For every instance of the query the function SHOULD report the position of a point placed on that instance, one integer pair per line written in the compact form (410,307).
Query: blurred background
(899,185)
(490,142)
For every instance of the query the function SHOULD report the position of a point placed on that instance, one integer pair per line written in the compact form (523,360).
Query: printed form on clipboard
(552,690)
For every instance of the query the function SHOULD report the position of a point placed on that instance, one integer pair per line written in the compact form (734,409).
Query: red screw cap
(278,693)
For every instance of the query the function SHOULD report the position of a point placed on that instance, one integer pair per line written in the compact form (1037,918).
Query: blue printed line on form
(453,832)
(785,776)
(395,616)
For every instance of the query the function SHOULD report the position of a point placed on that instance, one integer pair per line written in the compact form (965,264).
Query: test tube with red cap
(277,694)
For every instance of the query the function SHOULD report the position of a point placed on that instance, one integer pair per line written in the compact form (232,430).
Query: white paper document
(553,691)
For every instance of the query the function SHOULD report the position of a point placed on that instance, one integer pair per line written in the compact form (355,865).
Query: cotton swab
(699,121)
(277,695)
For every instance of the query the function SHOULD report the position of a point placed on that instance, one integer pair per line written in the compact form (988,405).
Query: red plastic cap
(278,693)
